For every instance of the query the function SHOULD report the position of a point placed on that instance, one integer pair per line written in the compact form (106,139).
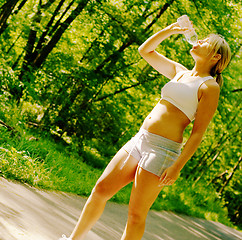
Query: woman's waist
(166,121)
(164,129)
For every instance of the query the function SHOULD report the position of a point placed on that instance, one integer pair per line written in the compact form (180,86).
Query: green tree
(78,60)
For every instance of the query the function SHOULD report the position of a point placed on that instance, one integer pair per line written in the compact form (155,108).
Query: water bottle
(190,34)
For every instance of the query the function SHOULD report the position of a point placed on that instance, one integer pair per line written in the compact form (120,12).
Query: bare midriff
(167,121)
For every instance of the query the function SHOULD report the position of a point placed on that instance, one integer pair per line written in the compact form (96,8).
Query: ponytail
(220,46)
(215,72)
(219,79)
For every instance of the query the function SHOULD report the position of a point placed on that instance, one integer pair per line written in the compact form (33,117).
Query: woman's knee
(136,217)
(102,190)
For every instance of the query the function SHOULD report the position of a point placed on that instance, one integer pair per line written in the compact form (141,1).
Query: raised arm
(159,62)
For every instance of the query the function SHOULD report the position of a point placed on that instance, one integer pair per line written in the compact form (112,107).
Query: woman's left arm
(206,108)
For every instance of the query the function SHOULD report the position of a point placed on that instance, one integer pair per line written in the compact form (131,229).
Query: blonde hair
(220,46)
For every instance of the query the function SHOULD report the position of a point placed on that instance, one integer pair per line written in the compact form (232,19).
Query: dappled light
(74,89)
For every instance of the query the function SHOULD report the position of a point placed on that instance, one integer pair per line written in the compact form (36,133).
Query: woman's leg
(144,192)
(111,181)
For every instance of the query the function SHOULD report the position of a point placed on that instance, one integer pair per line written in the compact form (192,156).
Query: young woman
(152,159)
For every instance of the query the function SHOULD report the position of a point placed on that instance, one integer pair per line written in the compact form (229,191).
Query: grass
(41,162)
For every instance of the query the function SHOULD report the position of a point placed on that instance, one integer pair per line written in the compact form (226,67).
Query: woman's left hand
(169,176)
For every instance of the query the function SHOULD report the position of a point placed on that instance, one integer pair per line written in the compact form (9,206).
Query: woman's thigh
(118,173)
(146,188)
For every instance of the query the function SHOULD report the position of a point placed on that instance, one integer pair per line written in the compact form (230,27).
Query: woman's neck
(200,71)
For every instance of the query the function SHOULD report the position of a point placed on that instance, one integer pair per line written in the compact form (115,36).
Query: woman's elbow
(197,135)
(142,51)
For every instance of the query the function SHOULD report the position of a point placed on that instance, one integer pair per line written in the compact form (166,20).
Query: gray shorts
(154,153)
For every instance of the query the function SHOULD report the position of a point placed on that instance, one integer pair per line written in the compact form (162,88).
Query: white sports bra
(183,95)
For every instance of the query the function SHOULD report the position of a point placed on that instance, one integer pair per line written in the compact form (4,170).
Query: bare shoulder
(179,67)
(210,89)
(207,105)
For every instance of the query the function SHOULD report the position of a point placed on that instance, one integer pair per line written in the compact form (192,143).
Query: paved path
(27,213)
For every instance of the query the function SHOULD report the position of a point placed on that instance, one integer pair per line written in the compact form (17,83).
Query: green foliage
(199,201)
(40,162)
(18,165)
(92,92)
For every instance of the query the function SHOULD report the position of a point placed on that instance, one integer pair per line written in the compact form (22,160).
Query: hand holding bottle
(190,34)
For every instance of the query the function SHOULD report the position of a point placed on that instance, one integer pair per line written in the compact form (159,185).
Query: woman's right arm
(159,62)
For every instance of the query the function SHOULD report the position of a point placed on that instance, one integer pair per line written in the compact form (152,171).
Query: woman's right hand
(176,29)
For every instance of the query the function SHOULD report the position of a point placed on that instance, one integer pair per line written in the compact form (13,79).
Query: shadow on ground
(27,213)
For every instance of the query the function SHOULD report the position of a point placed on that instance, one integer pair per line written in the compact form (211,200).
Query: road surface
(27,213)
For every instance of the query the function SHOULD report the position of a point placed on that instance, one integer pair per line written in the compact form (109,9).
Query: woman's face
(202,50)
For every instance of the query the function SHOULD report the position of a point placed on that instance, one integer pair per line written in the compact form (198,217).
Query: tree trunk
(48,28)
(45,51)
(6,11)
(30,44)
